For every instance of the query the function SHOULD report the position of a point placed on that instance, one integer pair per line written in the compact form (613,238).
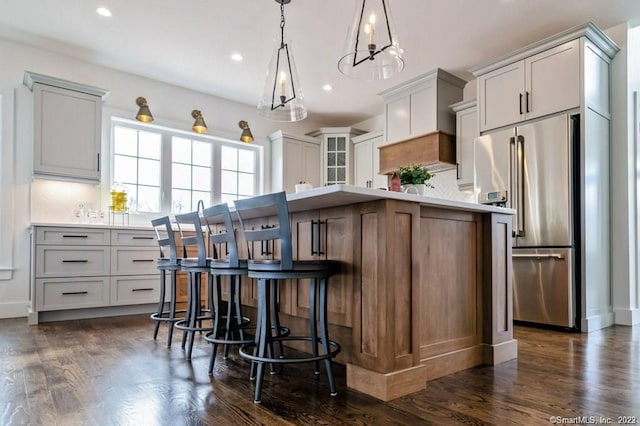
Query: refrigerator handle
(513,184)
(520,182)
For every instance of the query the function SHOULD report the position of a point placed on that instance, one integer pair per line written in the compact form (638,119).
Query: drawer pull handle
(75,236)
(69,293)
(142,289)
(143,260)
(143,238)
(75,261)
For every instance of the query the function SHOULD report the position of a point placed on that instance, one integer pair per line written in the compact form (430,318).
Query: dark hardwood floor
(110,371)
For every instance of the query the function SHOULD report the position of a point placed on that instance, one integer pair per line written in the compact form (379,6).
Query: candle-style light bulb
(283,87)
(372,28)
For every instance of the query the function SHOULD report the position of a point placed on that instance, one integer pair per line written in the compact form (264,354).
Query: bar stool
(168,262)
(190,227)
(228,322)
(269,273)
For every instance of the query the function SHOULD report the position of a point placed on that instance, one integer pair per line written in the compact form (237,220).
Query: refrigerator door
(543,286)
(492,163)
(544,184)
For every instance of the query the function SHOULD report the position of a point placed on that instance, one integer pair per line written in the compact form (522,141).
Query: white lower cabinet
(75,268)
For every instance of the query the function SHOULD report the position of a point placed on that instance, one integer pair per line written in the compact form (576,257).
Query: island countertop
(339,195)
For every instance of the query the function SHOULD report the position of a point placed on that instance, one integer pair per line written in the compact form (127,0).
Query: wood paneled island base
(425,288)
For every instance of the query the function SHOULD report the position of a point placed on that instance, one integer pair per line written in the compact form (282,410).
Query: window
(168,170)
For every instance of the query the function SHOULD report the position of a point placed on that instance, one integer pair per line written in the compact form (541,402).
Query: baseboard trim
(628,317)
(596,322)
(13,310)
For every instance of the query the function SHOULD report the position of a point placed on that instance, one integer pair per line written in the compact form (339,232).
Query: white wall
(624,201)
(170,105)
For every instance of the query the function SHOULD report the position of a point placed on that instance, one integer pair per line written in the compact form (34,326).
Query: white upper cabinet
(466,132)
(294,159)
(367,160)
(542,84)
(67,128)
(421,106)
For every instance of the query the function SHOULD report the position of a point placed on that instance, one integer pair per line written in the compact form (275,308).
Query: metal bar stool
(168,262)
(228,323)
(190,227)
(269,274)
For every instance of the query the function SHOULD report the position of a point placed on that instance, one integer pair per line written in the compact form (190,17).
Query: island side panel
(450,291)
(385,325)
(499,345)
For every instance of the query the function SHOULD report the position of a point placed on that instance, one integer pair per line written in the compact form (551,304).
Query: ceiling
(189,43)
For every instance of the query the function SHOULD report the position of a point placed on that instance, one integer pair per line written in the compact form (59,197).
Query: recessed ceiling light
(237,57)
(327,87)
(103,11)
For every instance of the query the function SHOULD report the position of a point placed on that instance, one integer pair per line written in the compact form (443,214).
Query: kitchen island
(424,290)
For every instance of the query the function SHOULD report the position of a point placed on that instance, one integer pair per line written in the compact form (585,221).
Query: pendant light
(246,135)
(281,98)
(199,126)
(144,114)
(372,51)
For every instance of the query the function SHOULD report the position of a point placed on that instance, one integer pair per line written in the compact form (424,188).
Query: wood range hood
(436,150)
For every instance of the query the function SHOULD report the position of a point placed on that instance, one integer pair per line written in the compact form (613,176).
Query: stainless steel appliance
(531,168)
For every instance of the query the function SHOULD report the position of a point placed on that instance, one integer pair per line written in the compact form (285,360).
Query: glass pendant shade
(282,98)
(372,51)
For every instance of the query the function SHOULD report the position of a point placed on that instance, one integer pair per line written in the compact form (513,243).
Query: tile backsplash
(445,185)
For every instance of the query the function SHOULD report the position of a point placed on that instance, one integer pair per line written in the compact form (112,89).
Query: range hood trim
(436,150)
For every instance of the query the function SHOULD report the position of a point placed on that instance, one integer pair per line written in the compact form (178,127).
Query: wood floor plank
(110,371)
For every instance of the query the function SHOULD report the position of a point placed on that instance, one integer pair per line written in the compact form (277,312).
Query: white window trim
(216,141)
(6,191)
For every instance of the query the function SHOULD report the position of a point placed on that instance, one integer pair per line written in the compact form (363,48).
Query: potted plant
(414,177)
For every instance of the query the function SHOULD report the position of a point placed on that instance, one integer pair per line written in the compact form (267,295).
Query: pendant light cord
(281,24)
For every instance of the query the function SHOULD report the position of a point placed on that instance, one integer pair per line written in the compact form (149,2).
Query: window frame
(167,133)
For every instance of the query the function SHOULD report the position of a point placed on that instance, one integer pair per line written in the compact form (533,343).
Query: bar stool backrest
(263,206)
(220,214)
(187,223)
(166,240)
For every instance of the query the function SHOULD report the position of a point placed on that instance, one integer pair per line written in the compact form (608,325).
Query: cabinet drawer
(133,260)
(133,290)
(72,236)
(71,293)
(125,237)
(66,261)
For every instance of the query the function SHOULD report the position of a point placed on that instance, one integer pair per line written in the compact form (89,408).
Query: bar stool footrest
(245,354)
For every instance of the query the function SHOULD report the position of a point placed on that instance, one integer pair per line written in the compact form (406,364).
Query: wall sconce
(372,51)
(144,114)
(246,135)
(199,126)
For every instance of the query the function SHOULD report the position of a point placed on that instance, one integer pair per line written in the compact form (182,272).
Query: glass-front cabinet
(337,154)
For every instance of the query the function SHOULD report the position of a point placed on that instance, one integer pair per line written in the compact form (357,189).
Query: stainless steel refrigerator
(531,168)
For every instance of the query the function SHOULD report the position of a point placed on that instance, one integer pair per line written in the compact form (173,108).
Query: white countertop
(330,196)
(338,195)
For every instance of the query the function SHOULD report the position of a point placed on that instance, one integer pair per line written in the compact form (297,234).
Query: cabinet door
(379,181)
(398,125)
(423,111)
(553,80)
(363,163)
(325,235)
(292,166)
(500,96)
(337,161)
(311,164)
(466,132)
(67,126)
